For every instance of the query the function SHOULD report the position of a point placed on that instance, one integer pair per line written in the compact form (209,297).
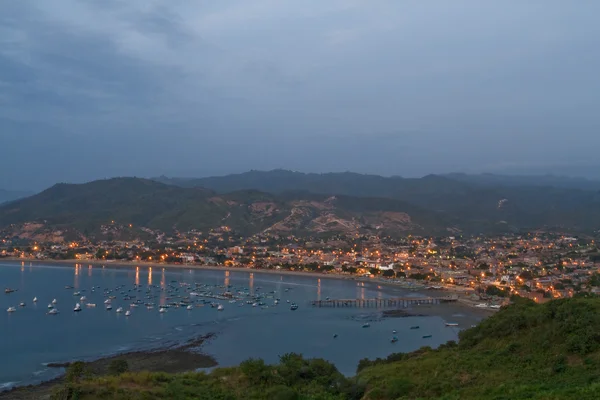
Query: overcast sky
(92,89)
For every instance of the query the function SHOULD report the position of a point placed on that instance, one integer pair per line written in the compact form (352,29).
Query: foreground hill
(149,204)
(480,205)
(525,351)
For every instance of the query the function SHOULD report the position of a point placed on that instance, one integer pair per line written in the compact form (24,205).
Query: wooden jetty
(383,302)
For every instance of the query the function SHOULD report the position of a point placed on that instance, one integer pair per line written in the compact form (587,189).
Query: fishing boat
(77,307)
(11,309)
(54,311)
(451,324)
(366,325)
(426,336)
(294,307)
(8,290)
(414,327)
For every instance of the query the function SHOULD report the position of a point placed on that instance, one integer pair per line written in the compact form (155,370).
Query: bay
(31,338)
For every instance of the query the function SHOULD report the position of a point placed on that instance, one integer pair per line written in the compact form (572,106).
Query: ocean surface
(30,338)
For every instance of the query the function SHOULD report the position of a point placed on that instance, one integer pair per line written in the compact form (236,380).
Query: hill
(145,203)
(479,205)
(525,351)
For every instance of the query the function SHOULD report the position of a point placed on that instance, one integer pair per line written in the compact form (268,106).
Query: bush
(118,367)
(281,392)
(76,371)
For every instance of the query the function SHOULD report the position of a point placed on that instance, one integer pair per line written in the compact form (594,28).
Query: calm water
(31,338)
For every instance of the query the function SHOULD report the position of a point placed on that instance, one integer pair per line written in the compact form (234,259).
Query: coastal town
(536,265)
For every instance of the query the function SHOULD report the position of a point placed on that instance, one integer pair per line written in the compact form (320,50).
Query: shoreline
(171,359)
(461,293)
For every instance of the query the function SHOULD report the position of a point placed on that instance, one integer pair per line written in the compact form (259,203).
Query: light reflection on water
(32,338)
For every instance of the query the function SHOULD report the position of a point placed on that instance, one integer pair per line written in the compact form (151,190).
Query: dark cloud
(94,89)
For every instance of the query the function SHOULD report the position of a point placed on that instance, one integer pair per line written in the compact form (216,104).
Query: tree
(389,273)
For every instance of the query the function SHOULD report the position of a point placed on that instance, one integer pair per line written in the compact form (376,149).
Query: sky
(95,89)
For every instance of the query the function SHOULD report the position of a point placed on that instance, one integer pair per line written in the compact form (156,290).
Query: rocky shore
(173,359)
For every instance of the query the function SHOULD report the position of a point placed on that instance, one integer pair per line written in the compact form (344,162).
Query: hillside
(525,351)
(140,203)
(480,205)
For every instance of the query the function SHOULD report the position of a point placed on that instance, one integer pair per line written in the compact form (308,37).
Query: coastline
(173,359)
(461,293)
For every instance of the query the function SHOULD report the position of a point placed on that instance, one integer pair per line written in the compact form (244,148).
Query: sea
(30,338)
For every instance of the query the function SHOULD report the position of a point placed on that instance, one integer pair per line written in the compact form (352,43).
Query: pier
(398,302)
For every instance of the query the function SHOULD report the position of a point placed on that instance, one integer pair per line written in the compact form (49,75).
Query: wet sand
(173,359)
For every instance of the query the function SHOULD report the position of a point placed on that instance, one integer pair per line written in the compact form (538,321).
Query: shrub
(118,367)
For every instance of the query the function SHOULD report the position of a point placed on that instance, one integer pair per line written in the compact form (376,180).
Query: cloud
(265,76)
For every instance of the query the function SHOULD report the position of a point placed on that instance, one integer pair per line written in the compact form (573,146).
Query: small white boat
(11,309)
(220,308)
(35,299)
(54,311)
(54,301)
(77,307)
(90,305)
(77,294)
(83,298)
(108,307)
(451,324)
(120,309)
(127,313)
(495,306)
(107,301)
(21,304)
(254,304)
(133,305)
(149,307)
(162,310)
(276,302)
(189,307)
(394,331)
(50,305)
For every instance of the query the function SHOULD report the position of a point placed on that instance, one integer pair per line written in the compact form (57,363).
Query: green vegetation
(525,351)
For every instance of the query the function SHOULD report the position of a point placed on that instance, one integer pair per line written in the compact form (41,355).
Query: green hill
(480,205)
(154,205)
(525,351)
